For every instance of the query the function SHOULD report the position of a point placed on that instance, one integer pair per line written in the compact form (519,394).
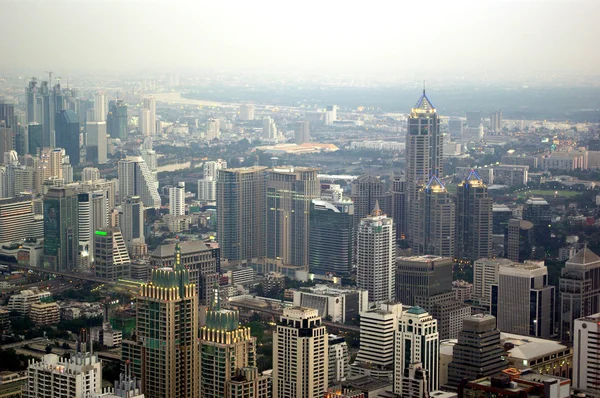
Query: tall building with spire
(376,256)
(424,150)
(366,190)
(433,213)
(473,219)
(167,333)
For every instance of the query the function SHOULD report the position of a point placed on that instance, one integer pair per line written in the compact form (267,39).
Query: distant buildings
(207,187)
(302,132)
(136,179)
(422,276)
(330,114)
(246,112)
(338,304)
(177,199)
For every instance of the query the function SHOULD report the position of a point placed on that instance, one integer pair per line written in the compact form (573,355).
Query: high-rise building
(290,191)
(585,357)
(414,381)
(144,122)
(399,214)
(478,352)
(366,190)
(112,260)
(500,216)
(496,121)
(424,151)
(177,199)
(117,119)
(61,229)
(339,360)
(269,128)
(485,274)
(47,116)
(302,132)
(136,179)
(241,213)
(67,134)
(226,347)
(213,129)
(167,331)
(96,142)
(539,213)
(579,287)
(150,104)
(474,219)
(417,340)
(455,127)
(330,114)
(210,169)
(300,355)
(433,211)
(474,119)
(6,138)
(16,217)
(35,138)
(90,174)
(131,221)
(376,256)
(246,112)
(31,93)
(522,301)
(331,233)
(519,240)
(99,108)
(422,276)
(207,187)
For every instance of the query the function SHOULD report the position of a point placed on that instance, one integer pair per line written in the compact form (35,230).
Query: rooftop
(186,248)
(583,257)
(527,347)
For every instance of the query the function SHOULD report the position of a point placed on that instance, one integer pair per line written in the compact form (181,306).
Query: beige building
(485,274)
(45,313)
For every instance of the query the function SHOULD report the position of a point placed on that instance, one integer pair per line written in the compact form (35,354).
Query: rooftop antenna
(423,86)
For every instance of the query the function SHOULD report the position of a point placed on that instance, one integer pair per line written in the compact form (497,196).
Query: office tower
(330,114)
(414,382)
(246,112)
(211,168)
(585,357)
(269,128)
(302,133)
(455,127)
(6,139)
(31,93)
(50,164)
(144,122)
(424,151)
(93,215)
(58,98)
(376,256)
(90,174)
(377,335)
(132,220)
(290,191)
(300,350)
(330,237)
(67,134)
(538,212)
(496,121)
(241,213)
(417,340)
(366,190)
(399,214)
(519,240)
(422,276)
(16,217)
(61,233)
(213,129)
(339,360)
(167,329)
(99,108)
(116,119)
(96,142)
(112,260)
(500,216)
(579,287)
(47,116)
(478,352)
(523,302)
(177,199)
(226,347)
(474,219)
(474,119)
(34,138)
(136,179)
(433,211)
(150,104)
(485,274)
(80,376)
(201,261)
(207,187)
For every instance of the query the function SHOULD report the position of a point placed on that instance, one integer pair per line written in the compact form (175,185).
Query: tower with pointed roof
(433,212)
(473,219)
(376,256)
(579,290)
(424,150)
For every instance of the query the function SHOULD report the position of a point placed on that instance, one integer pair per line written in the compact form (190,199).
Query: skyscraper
(399,214)
(496,121)
(290,191)
(474,219)
(302,132)
(61,229)
(300,355)
(366,190)
(269,128)
(485,274)
(177,199)
(523,302)
(241,213)
(116,119)
(339,360)
(144,122)
(478,352)
(226,347)
(376,256)
(417,340)
(47,116)
(213,129)
(112,260)
(150,104)
(519,240)
(579,287)
(422,276)
(539,213)
(246,112)
(330,114)
(99,108)
(585,358)
(136,179)
(474,119)
(67,134)
(35,138)
(433,211)
(132,220)
(167,330)
(31,93)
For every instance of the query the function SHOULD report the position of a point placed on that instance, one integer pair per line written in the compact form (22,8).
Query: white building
(376,256)
(144,122)
(177,200)
(379,145)
(340,304)
(136,179)
(100,111)
(300,355)
(96,142)
(586,361)
(414,381)
(131,221)
(485,274)
(213,129)
(207,187)
(330,114)
(22,302)
(246,112)
(90,174)
(339,360)
(150,104)
(417,340)
(269,129)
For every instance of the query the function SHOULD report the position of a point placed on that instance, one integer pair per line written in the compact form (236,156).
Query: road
(71,275)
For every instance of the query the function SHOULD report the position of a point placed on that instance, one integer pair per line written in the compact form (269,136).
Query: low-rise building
(11,384)
(106,335)
(334,303)
(22,302)
(513,383)
(45,313)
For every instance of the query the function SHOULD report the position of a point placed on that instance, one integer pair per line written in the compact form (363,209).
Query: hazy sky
(417,38)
